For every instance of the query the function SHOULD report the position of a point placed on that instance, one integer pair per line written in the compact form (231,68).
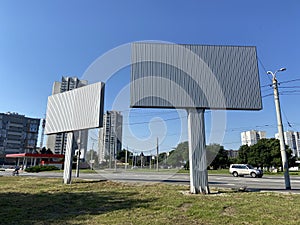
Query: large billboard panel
(78,109)
(194,76)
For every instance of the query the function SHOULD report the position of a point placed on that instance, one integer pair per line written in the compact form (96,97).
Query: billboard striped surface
(78,109)
(194,76)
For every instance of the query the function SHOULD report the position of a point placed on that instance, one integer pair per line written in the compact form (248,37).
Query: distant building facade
(232,153)
(18,134)
(110,136)
(252,137)
(58,142)
(292,139)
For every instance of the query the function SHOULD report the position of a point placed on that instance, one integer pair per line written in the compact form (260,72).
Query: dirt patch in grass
(185,206)
(228,211)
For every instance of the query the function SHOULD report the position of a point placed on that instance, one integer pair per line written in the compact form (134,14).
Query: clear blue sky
(40,41)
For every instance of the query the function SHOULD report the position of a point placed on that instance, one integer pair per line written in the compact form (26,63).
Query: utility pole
(115,156)
(157,154)
(92,159)
(280,130)
(43,133)
(78,154)
(78,162)
(126,158)
(132,158)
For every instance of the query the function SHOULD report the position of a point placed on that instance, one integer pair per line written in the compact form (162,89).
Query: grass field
(26,200)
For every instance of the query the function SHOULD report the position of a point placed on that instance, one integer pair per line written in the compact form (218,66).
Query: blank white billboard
(194,76)
(78,109)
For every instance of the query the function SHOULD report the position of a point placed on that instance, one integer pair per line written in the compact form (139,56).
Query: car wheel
(253,174)
(235,174)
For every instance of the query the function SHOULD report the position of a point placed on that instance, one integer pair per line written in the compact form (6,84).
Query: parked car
(244,169)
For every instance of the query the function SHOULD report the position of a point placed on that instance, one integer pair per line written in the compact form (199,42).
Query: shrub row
(36,169)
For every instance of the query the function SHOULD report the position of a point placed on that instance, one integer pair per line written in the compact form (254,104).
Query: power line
(282,82)
(288,81)
(263,68)
(146,122)
(292,91)
(267,95)
(291,87)
(141,113)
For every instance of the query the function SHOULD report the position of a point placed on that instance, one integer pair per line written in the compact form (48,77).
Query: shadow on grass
(63,208)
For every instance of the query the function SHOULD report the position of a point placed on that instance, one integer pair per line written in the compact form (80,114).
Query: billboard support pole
(68,159)
(197,152)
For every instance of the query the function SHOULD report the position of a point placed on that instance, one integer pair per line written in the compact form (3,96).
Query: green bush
(36,169)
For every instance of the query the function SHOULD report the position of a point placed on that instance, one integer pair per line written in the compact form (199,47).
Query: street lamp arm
(274,74)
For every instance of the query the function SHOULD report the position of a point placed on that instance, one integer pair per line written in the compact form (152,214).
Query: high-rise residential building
(18,134)
(58,142)
(110,137)
(297,137)
(292,139)
(252,137)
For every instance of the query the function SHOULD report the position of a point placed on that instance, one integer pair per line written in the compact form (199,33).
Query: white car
(244,169)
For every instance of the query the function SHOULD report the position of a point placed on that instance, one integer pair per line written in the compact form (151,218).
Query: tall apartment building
(58,142)
(110,137)
(292,139)
(18,134)
(252,137)
(297,138)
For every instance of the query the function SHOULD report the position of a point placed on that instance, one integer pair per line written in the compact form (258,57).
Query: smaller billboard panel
(78,109)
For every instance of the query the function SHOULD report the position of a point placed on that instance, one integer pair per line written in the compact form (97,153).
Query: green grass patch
(220,171)
(147,170)
(28,200)
(292,173)
(74,171)
(85,171)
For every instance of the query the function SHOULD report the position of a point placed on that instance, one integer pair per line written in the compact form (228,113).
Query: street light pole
(126,152)
(280,130)
(157,154)
(78,154)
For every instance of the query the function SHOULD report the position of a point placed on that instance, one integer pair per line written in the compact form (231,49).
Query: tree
(92,155)
(265,153)
(220,155)
(243,154)
(43,151)
(179,156)
(49,151)
(260,153)
(121,155)
(216,155)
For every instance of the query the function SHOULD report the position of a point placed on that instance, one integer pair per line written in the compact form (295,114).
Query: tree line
(264,154)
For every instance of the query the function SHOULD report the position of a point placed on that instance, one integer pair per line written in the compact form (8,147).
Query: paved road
(267,183)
